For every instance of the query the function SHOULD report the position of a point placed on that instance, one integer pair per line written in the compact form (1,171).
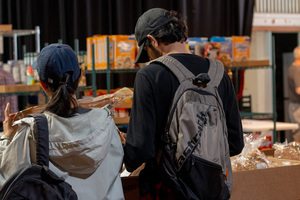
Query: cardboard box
(271,183)
(19,88)
(5,27)
(276,183)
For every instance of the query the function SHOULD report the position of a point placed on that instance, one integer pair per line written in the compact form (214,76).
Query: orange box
(124,51)
(241,48)
(5,27)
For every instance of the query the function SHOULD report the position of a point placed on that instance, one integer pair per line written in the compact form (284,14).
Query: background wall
(79,19)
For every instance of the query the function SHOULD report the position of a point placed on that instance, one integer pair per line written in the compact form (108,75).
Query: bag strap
(42,139)
(178,69)
(215,72)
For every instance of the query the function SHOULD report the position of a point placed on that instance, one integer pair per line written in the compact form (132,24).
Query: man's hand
(122,136)
(8,129)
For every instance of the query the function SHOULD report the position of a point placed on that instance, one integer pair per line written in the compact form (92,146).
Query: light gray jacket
(85,149)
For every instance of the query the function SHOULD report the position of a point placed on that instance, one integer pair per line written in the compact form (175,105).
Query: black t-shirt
(154,88)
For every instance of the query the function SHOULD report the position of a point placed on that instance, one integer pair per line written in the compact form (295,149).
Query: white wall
(258,82)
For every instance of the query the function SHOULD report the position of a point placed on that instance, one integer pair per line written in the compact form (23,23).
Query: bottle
(30,75)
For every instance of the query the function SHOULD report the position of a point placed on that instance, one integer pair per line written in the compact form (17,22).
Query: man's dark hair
(174,31)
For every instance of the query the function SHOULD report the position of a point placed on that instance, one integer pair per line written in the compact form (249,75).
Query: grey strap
(178,69)
(215,72)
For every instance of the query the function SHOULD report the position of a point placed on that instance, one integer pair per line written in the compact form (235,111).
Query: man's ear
(153,41)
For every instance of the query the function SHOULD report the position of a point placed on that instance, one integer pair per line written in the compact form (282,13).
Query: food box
(275,183)
(241,48)
(122,51)
(5,27)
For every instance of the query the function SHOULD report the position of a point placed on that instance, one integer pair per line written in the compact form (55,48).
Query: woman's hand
(8,129)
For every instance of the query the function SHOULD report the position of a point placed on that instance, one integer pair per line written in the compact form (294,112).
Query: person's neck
(176,47)
(297,62)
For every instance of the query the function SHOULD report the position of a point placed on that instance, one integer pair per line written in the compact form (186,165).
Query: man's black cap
(149,22)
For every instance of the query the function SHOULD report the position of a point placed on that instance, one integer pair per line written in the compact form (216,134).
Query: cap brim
(142,55)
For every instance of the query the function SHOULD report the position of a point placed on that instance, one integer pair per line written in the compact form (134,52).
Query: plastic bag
(251,157)
(287,150)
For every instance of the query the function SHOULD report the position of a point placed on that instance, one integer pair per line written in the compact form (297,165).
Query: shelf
(83,88)
(250,125)
(125,105)
(121,120)
(14,33)
(250,114)
(250,64)
(19,89)
(17,33)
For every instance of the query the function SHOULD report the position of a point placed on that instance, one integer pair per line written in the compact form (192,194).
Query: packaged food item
(124,51)
(197,45)
(212,50)
(287,150)
(251,157)
(120,48)
(30,75)
(89,42)
(226,51)
(241,48)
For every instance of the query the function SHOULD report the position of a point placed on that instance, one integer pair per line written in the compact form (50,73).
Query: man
(160,32)
(294,92)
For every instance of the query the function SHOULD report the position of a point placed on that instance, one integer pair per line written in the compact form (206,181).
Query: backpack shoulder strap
(178,69)
(215,72)
(42,141)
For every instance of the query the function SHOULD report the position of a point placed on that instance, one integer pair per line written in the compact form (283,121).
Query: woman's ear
(153,41)
(44,85)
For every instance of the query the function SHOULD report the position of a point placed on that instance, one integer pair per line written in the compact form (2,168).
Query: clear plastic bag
(251,157)
(287,150)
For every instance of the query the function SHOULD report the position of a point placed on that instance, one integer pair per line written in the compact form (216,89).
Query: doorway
(284,46)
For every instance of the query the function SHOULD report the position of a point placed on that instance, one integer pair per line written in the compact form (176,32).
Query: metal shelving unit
(273,115)
(14,34)
(108,71)
(19,33)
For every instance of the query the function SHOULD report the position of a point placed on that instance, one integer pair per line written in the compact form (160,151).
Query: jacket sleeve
(140,139)
(15,154)
(233,119)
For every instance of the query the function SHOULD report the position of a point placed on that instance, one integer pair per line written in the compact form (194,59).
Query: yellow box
(122,51)
(89,42)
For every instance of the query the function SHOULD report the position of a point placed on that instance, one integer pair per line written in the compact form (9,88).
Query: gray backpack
(195,152)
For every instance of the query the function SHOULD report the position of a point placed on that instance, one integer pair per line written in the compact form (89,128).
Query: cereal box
(212,50)
(124,51)
(241,48)
(196,45)
(226,51)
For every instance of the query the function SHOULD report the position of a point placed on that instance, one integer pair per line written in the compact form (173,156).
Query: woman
(84,146)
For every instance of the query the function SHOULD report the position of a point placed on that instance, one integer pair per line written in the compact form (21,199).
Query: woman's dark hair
(62,102)
(174,31)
